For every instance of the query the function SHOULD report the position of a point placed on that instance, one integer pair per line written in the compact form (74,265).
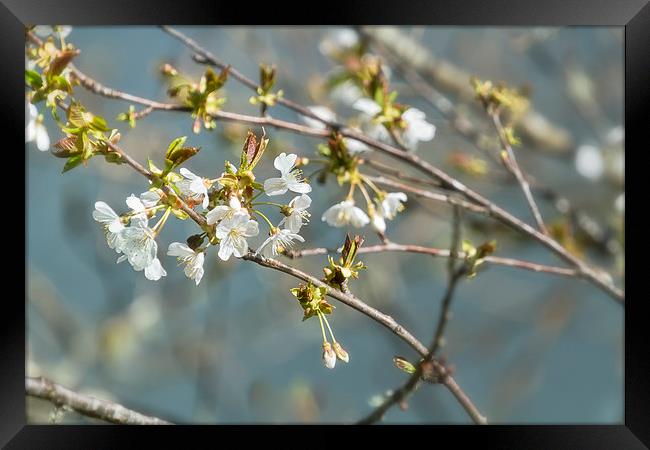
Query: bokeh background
(527,347)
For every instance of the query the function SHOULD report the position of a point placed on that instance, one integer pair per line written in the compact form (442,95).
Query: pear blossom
(299,215)
(279,239)
(222,212)
(290,179)
(417,128)
(192,260)
(47,30)
(320,111)
(392,204)
(112,223)
(345,213)
(193,187)
(233,233)
(36,131)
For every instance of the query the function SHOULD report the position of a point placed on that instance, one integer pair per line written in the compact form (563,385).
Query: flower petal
(284,163)
(179,249)
(275,186)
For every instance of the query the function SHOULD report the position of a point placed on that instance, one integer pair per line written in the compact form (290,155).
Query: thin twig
(441,252)
(86,405)
(512,165)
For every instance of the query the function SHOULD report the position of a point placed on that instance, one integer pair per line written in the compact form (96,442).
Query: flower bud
(341,353)
(329,357)
(168,69)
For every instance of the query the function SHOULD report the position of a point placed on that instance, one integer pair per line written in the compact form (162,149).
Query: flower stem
(353,184)
(365,194)
(268,203)
(322,329)
(372,185)
(265,218)
(157,228)
(329,328)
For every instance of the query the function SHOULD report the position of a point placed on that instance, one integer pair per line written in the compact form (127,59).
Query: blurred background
(527,347)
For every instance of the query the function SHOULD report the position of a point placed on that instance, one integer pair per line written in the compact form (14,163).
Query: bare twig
(512,165)
(440,252)
(86,405)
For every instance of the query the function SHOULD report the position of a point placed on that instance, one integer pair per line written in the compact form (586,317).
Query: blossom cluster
(227,204)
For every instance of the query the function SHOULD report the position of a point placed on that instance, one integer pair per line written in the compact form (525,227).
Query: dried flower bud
(341,353)
(329,357)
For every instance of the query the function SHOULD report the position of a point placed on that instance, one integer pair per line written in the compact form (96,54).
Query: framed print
(377,214)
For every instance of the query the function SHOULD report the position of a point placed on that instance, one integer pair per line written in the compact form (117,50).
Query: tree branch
(59,395)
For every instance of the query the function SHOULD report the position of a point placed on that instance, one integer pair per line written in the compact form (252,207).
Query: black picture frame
(633,15)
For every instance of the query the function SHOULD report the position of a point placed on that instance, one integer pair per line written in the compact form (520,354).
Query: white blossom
(369,109)
(222,212)
(329,357)
(150,198)
(589,162)
(138,208)
(338,40)
(193,187)
(279,239)
(346,93)
(392,204)
(290,179)
(47,30)
(36,131)
(192,260)
(377,219)
(355,147)
(367,106)
(417,128)
(139,245)
(320,111)
(299,215)
(345,213)
(233,233)
(155,270)
(112,223)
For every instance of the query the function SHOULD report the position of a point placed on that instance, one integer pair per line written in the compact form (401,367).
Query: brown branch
(86,405)
(441,252)
(455,274)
